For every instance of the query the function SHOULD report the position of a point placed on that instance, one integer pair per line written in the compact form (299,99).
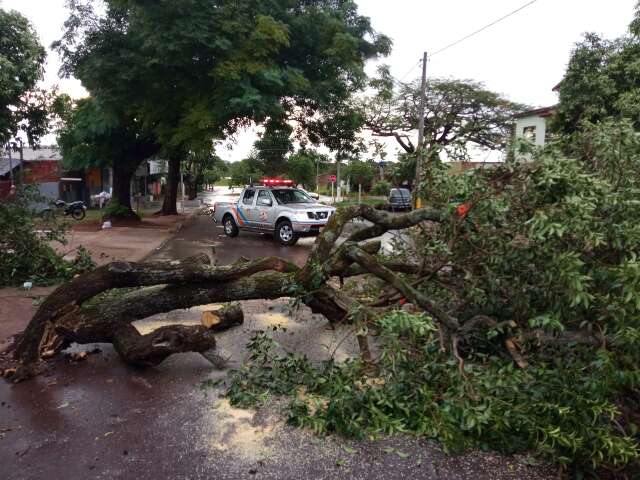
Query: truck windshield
(289,195)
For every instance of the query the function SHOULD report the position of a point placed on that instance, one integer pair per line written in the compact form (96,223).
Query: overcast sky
(523,57)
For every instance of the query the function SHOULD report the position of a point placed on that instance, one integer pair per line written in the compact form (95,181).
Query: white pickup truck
(286,212)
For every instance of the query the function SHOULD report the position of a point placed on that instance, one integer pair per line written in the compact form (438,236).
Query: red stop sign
(332,178)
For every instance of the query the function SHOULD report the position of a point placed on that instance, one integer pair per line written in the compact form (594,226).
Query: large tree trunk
(122,173)
(171,191)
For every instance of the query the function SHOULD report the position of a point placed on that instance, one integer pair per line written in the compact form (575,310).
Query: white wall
(532,121)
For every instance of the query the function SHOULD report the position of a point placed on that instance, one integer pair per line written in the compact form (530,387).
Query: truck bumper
(308,229)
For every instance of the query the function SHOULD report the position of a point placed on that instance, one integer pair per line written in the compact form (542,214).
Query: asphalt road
(101,419)
(204,236)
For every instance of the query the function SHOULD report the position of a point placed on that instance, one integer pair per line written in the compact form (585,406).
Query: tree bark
(127,275)
(169,206)
(122,173)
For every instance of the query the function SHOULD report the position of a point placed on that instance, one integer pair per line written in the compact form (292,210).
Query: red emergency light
(276,182)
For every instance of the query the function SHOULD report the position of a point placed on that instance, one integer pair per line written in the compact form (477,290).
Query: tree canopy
(201,167)
(245,171)
(602,80)
(358,172)
(274,146)
(22,58)
(220,65)
(459,114)
(91,135)
(301,168)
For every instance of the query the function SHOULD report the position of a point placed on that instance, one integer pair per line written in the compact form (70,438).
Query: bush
(381,188)
(115,210)
(25,253)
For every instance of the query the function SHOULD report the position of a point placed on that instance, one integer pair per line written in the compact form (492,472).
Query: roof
(36,154)
(5,164)
(538,112)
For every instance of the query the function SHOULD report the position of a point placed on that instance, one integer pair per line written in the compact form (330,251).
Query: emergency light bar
(268,182)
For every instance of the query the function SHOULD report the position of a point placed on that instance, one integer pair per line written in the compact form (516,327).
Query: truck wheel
(285,234)
(230,227)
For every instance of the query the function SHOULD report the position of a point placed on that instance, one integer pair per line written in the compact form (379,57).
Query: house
(532,125)
(41,167)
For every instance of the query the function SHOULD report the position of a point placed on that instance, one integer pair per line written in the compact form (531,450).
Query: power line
(400,82)
(411,70)
(483,28)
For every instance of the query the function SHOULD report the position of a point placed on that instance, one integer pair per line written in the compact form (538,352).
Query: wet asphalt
(102,419)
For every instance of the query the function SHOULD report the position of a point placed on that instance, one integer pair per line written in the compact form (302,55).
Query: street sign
(332,178)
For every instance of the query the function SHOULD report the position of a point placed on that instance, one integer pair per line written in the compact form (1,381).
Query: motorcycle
(77,210)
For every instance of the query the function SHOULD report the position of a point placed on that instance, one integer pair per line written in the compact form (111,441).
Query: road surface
(204,236)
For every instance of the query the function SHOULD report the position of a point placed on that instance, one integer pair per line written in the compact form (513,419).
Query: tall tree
(602,81)
(459,114)
(301,168)
(22,58)
(274,146)
(93,136)
(192,70)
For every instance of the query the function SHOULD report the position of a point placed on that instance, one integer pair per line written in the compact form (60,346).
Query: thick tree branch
(369,263)
(128,274)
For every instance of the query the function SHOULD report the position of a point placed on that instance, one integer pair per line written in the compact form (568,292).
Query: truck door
(265,210)
(246,208)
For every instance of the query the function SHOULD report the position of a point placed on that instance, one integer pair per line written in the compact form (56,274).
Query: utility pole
(338,179)
(21,162)
(419,148)
(10,163)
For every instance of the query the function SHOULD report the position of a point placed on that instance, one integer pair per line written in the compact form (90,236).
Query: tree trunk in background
(193,186)
(122,174)
(171,192)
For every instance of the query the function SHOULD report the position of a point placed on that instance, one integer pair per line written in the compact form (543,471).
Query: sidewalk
(131,243)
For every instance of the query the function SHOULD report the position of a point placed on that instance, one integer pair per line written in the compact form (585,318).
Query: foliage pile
(25,254)
(539,263)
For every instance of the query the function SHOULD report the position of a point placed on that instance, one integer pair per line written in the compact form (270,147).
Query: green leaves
(22,58)
(190,72)
(26,254)
(460,114)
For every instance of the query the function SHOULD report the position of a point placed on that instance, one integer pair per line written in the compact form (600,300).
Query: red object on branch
(463,209)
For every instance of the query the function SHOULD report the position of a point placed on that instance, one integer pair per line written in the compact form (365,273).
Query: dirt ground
(132,242)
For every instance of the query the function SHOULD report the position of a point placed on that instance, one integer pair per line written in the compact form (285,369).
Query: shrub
(381,188)
(25,253)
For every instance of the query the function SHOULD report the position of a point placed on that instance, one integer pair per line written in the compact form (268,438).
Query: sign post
(332,179)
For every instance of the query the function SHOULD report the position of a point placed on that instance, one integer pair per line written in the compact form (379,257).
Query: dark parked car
(399,199)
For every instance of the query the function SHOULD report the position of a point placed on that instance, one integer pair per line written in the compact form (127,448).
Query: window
(264,198)
(529,133)
(400,194)
(291,195)
(247,199)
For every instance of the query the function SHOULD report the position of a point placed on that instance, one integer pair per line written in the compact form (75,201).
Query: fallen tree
(519,296)
(84,311)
